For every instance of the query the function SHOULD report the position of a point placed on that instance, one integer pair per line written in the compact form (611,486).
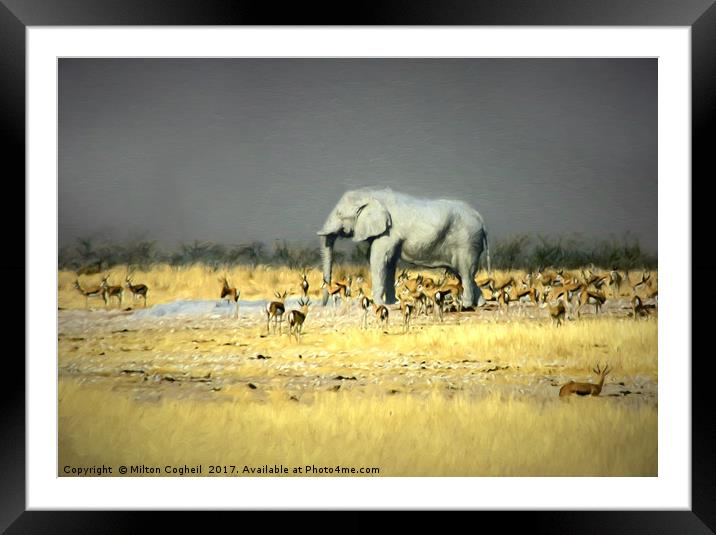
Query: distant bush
(532,252)
(513,252)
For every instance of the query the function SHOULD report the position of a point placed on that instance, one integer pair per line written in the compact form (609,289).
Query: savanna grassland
(475,395)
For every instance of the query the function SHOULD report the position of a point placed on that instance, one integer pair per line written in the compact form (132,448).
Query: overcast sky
(236,150)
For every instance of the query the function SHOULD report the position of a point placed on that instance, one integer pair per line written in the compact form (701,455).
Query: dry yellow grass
(475,395)
(400,435)
(168,283)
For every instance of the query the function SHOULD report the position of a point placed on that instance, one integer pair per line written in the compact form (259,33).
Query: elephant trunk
(327,242)
(487,250)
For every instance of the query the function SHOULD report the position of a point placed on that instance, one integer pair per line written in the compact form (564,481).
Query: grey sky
(235,150)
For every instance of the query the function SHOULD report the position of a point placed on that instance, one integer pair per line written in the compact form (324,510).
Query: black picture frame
(699,15)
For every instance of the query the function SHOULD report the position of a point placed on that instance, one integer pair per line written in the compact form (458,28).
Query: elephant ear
(372,221)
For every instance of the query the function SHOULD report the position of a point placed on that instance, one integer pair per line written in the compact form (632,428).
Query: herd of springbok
(562,293)
(107,291)
(558,291)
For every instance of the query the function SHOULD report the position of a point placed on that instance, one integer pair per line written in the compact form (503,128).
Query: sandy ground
(200,350)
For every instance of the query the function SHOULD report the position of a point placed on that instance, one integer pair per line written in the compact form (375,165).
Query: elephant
(431,233)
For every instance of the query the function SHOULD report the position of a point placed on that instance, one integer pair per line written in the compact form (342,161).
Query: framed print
(410,262)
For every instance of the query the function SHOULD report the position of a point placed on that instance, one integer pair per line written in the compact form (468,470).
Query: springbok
(570,292)
(436,297)
(230,293)
(412,284)
(275,310)
(454,289)
(615,282)
(418,297)
(490,295)
(335,290)
(586,389)
(346,282)
(406,311)
(365,304)
(592,279)
(556,311)
(402,278)
(486,281)
(304,284)
(547,278)
(296,319)
(527,294)
(505,284)
(92,291)
(645,277)
(112,291)
(140,290)
(639,308)
(590,297)
(381,312)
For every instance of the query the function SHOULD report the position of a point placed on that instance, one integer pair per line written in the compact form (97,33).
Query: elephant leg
(471,294)
(383,261)
(390,280)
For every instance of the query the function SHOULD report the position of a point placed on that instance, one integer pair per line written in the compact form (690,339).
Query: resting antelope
(112,291)
(406,311)
(381,312)
(296,319)
(275,310)
(140,290)
(590,297)
(230,293)
(586,389)
(92,291)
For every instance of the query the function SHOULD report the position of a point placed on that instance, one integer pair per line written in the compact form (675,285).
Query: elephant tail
(487,250)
